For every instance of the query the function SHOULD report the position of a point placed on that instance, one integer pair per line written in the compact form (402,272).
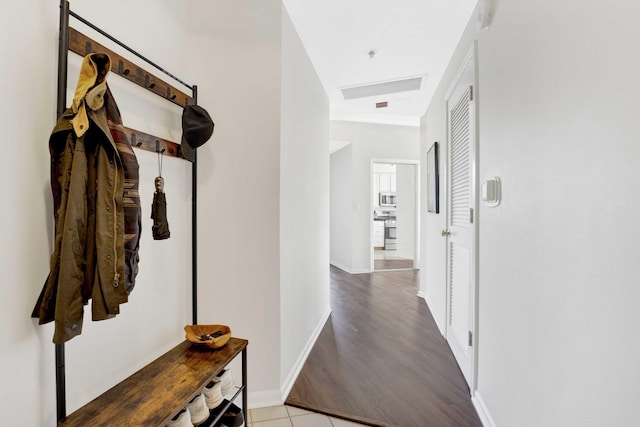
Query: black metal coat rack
(71,39)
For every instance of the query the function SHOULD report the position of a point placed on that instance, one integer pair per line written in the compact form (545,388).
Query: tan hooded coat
(94,181)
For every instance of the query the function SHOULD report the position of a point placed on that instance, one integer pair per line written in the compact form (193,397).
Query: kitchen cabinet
(385,182)
(378,234)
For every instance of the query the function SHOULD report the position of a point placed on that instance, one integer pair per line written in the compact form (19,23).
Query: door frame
(416,218)
(470,59)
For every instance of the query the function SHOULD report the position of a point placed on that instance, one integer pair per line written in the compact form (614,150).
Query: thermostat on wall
(491,191)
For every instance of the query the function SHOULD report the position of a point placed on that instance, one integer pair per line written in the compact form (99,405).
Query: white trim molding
(348,270)
(264,399)
(285,388)
(482,410)
(439,323)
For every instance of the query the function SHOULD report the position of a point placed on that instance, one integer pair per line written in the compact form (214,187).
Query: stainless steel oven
(390,235)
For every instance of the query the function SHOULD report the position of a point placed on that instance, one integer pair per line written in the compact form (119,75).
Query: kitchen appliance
(387,199)
(390,235)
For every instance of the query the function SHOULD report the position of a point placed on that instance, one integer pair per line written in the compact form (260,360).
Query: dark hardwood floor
(380,359)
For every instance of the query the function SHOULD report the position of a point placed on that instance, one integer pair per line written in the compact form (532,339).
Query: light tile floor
(289,416)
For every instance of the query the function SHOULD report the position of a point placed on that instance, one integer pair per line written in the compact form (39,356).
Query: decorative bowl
(211,336)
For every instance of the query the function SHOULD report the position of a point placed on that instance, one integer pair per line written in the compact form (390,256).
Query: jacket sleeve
(69,302)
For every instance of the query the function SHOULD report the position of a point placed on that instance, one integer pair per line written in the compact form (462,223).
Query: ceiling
(411,38)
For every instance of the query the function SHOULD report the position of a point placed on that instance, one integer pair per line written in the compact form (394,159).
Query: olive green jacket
(94,181)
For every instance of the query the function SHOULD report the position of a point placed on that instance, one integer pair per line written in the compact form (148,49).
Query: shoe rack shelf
(154,394)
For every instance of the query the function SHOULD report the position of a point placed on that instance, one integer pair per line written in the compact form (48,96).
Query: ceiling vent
(385,88)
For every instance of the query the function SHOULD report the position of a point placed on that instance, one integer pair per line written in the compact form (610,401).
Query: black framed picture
(433,179)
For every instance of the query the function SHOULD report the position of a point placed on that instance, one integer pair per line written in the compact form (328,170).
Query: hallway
(381,360)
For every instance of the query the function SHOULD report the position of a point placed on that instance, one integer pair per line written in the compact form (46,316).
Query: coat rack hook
(134,142)
(147,83)
(158,150)
(121,69)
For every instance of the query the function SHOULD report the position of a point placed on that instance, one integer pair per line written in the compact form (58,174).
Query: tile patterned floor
(289,416)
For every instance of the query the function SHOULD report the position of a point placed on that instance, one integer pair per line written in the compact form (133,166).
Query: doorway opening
(394,214)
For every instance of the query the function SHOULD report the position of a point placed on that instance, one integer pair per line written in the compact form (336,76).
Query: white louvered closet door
(460,240)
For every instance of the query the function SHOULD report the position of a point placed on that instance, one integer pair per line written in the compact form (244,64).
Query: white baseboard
(482,410)
(340,266)
(439,324)
(263,399)
(349,270)
(297,367)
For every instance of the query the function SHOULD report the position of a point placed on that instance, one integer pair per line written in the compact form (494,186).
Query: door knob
(446,232)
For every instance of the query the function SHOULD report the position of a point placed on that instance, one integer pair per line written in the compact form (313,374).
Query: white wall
(235,56)
(341,206)
(371,141)
(304,205)
(151,322)
(406,220)
(433,273)
(263,187)
(558,301)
